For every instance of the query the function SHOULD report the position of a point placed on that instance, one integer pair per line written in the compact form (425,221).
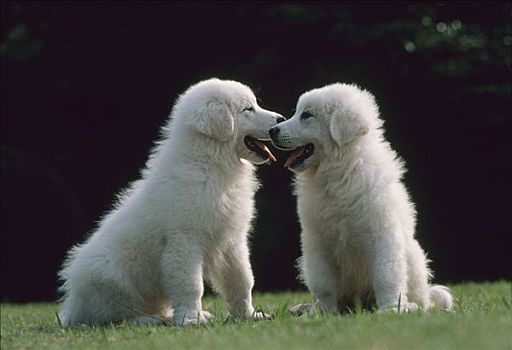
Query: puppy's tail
(440,296)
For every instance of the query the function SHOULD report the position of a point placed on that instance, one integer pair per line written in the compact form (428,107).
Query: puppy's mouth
(258,147)
(299,155)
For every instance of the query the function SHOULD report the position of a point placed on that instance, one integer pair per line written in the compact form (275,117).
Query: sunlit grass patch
(482,319)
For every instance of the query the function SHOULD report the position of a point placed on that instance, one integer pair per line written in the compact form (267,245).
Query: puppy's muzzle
(274,133)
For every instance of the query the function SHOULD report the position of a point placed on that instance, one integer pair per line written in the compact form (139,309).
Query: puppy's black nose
(274,132)
(280,119)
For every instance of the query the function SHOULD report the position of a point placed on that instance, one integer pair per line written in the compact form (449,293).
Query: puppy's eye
(306,115)
(248,109)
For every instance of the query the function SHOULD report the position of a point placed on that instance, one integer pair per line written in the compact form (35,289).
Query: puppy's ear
(214,120)
(346,128)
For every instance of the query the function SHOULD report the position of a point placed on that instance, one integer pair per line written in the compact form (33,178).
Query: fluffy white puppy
(187,219)
(357,218)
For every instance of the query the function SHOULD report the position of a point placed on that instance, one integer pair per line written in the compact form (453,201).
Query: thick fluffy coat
(357,218)
(187,219)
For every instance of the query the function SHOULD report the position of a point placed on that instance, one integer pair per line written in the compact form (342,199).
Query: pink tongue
(266,150)
(295,154)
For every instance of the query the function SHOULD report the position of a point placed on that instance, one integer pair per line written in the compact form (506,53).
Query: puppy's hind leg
(418,275)
(390,274)
(94,307)
(419,289)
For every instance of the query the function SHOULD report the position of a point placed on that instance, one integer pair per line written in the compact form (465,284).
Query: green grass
(482,320)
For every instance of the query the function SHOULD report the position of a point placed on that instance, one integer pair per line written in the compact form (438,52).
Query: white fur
(357,218)
(187,219)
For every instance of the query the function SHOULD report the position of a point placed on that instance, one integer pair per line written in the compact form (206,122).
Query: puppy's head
(226,111)
(326,121)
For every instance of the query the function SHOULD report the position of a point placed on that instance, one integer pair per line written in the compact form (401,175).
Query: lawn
(482,319)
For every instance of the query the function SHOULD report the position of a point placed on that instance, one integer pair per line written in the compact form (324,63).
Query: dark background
(85,87)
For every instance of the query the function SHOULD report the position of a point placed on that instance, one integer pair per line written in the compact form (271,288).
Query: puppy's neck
(201,156)
(336,164)
(369,159)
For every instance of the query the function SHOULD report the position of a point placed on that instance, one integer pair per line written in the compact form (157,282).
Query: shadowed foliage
(86,85)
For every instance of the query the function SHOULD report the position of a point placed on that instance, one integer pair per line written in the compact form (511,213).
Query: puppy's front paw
(150,320)
(260,315)
(257,314)
(206,315)
(402,307)
(302,309)
(192,317)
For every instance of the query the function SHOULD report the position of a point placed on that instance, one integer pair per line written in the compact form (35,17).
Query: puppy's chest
(332,218)
(234,208)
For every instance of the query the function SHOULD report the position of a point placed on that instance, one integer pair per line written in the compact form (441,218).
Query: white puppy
(356,215)
(187,219)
